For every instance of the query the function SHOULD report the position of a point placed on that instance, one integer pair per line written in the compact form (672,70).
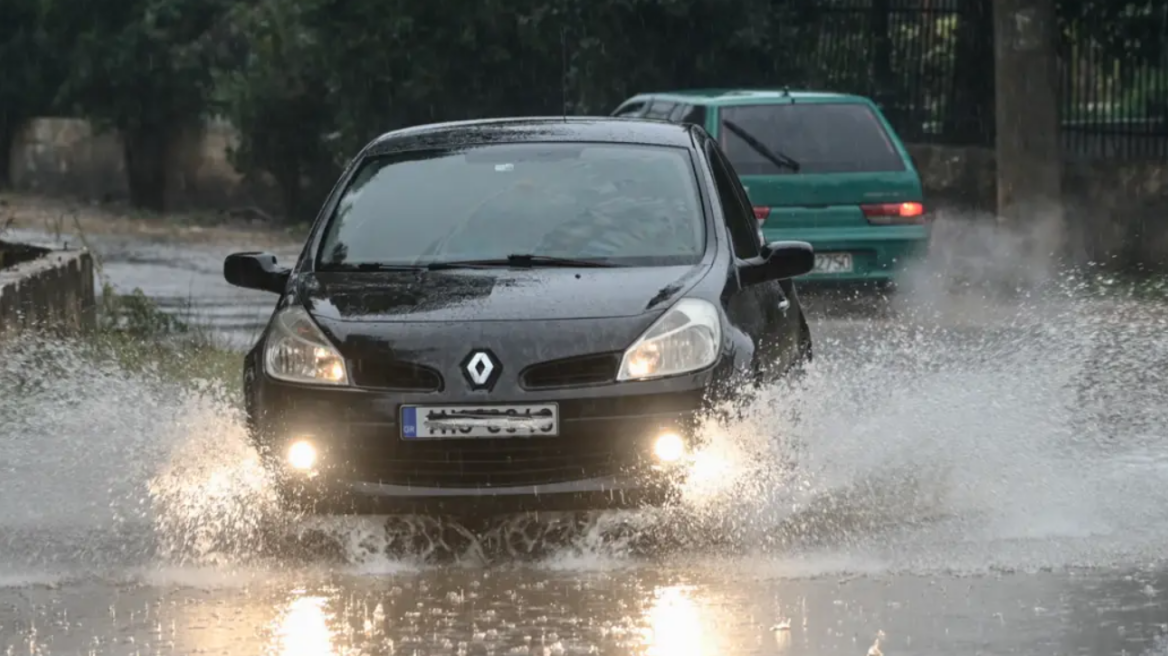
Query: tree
(278,98)
(31,73)
(143,68)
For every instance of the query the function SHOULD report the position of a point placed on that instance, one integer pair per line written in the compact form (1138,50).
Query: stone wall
(12,254)
(1116,211)
(67,157)
(45,289)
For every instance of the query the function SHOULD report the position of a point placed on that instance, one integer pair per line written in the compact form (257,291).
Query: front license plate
(425,422)
(833,263)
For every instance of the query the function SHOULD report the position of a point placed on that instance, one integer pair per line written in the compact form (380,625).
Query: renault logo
(481,369)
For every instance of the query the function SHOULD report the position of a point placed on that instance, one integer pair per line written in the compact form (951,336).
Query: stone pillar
(1029,167)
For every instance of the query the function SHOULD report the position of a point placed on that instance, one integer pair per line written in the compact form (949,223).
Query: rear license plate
(833,263)
(426,422)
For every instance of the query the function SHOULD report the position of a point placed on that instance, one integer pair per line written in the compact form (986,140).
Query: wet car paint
(432,321)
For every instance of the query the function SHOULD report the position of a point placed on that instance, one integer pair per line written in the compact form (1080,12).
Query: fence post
(1028,158)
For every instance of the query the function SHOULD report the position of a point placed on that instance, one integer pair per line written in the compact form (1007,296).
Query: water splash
(954,429)
(211,499)
(84,439)
(962,427)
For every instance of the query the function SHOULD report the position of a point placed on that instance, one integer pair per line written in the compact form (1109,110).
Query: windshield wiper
(519,260)
(372,266)
(525,260)
(778,159)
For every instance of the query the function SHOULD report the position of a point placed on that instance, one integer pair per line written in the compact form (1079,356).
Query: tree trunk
(8,129)
(1029,167)
(970,119)
(146,165)
(288,179)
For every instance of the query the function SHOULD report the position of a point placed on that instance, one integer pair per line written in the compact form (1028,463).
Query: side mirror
(780,260)
(255,271)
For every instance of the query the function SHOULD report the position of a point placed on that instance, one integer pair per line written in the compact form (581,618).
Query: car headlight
(298,352)
(686,338)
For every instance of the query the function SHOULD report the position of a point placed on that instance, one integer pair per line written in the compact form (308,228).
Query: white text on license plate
(424,422)
(833,263)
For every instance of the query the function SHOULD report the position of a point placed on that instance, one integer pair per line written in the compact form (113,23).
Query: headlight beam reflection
(669,447)
(302,455)
(304,628)
(675,624)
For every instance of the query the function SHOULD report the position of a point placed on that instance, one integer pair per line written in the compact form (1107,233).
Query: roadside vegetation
(141,337)
(134,332)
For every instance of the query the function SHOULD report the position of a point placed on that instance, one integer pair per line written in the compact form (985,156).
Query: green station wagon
(825,168)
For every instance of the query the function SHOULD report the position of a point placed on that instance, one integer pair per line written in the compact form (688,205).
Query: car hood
(495,295)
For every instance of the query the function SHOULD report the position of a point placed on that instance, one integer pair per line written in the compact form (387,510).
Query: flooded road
(676,611)
(974,478)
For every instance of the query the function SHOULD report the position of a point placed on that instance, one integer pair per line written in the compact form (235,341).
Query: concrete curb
(47,289)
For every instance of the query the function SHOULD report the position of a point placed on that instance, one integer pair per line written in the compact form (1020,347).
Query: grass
(135,333)
(183,362)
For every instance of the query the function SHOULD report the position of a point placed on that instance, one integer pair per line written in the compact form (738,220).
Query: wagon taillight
(909,213)
(761,213)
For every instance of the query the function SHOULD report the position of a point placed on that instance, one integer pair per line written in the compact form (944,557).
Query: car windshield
(821,137)
(621,204)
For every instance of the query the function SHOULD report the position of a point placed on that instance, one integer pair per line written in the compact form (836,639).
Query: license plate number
(833,263)
(428,422)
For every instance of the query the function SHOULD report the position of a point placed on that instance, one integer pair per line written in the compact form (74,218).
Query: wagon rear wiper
(526,260)
(778,159)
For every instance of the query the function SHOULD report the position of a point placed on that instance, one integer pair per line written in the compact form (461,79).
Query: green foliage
(1133,31)
(143,67)
(322,77)
(136,315)
(31,71)
(308,82)
(277,96)
(134,332)
(138,65)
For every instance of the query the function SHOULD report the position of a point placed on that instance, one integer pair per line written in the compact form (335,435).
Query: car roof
(535,129)
(723,97)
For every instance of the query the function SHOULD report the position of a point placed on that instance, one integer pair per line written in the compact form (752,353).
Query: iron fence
(1114,79)
(930,64)
(908,55)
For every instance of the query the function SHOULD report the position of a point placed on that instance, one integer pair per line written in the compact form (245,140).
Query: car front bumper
(599,493)
(602,458)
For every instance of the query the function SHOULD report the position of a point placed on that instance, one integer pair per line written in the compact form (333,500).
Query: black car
(517,314)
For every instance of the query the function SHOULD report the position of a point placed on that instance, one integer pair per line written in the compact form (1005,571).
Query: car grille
(390,374)
(572,372)
(493,463)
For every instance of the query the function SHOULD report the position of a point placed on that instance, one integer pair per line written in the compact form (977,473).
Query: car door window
(630,108)
(738,215)
(694,115)
(660,109)
(678,112)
